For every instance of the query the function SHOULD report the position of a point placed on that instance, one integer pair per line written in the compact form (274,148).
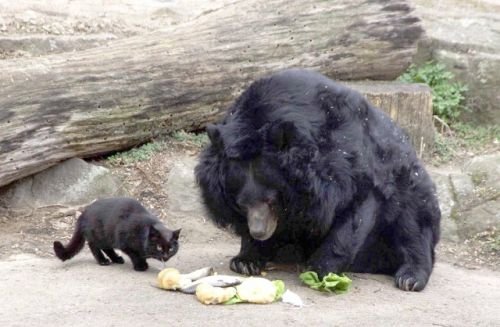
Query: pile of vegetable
(221,289)
(211,288)
(252,290)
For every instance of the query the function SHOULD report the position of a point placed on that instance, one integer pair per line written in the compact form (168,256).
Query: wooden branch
(109,98)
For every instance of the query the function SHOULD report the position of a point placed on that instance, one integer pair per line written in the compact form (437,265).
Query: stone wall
(465,36)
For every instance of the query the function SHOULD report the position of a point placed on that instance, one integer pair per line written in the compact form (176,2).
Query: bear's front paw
(323,265)
(410,279)
(245,266)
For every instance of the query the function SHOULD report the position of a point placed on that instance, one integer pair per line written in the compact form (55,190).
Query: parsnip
(208,294)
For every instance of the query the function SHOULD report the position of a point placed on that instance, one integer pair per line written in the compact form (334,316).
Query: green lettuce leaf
(235,299)
(280,289)
(331,283)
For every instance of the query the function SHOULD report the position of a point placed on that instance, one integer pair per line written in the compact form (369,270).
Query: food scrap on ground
(171,279)
(258,290)
(331,283)
(211,288)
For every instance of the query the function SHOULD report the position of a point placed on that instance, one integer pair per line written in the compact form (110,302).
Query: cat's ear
(176,233)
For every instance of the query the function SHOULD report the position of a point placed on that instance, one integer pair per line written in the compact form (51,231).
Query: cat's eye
(159,248)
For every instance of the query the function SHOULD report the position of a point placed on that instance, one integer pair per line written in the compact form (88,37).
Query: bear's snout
(262,221)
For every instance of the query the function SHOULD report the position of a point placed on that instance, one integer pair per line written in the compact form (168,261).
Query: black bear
(300,161)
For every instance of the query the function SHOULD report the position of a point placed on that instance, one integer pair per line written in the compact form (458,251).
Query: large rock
(184,204)
(485,170)
(449,227)
(71,182)
(469,198)
(465,35)
(184,197)
(485,216)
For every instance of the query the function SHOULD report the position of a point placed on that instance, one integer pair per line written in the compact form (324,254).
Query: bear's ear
(282,134)
(213,133)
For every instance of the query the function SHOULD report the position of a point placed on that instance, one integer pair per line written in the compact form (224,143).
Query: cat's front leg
(115,258)
(138,261)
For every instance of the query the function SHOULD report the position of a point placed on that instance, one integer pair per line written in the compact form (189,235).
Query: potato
(171,279)
(208,294)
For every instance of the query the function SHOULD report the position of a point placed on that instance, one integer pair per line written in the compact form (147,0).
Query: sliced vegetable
(172,279)
(216,289)
(215,280)
(258,290)
(208,294)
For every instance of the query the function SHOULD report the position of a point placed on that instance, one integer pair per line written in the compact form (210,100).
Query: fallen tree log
(109,98)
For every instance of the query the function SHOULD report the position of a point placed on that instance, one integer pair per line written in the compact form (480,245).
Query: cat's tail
(73,247)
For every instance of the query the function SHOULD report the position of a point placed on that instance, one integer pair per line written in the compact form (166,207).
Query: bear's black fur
(302,162)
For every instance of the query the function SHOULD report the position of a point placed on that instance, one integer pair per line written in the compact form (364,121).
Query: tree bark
(113,97)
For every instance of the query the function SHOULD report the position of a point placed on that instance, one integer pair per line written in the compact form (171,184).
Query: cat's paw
(245,266)
(410,279)
(141,266)
(118,260)
(104,262)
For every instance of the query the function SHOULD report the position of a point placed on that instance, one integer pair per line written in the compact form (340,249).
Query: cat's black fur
(120,223)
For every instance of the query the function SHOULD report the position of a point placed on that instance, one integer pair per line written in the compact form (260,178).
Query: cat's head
(161,242)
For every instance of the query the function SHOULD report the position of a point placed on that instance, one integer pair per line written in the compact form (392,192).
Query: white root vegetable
(172,279)
(208,294)
(215,280)
(200,273)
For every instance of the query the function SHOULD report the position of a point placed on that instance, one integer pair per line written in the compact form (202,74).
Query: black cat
(120,223)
